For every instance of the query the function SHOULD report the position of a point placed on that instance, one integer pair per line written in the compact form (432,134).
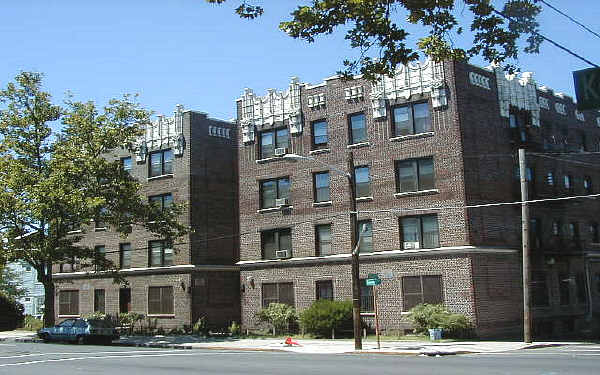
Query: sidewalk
(312,346)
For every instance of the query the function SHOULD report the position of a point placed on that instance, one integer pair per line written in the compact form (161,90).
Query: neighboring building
(188,159)
(33,300)
(429,146)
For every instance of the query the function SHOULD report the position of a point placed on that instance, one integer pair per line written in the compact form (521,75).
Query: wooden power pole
(525,240)
(355,254)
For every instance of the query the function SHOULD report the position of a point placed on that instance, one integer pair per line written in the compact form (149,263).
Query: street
(37,358)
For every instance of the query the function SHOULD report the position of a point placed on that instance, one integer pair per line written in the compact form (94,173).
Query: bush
(11,313)
(279,315)
(199,327)
(129,319)
(96,316)
(325,317)
(426,316)
(235,329)
(32,324)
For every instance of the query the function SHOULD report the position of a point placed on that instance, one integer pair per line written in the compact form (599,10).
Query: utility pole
(355,254)
(525,235)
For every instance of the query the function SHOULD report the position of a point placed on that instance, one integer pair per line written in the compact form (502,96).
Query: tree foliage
(52,180)
(10,283)
(426,316)
(378,29)
(325,316)
(279,315)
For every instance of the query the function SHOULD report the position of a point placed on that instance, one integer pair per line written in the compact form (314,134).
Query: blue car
(80,331)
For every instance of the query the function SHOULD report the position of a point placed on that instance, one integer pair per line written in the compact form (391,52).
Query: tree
(378,29)
(9,283)
(53,180)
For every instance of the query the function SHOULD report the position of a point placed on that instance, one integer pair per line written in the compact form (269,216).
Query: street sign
(587,88)
(373,282)
(372,276)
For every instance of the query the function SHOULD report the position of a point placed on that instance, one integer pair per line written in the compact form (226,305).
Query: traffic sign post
(587,88)
(374,280)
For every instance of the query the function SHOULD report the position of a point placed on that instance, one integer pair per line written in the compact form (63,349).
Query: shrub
(426,316)
(11,312)
(129,319)
(96,315)
(32,324)
(199,327)
(235,329)
(279,316)
(325,317)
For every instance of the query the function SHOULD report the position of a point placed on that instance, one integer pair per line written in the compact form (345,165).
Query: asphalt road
(37,358)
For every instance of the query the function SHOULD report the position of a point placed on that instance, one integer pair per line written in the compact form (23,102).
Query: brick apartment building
(190,159)
(430,147)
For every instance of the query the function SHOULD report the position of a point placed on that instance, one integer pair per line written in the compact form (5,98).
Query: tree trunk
(45,277)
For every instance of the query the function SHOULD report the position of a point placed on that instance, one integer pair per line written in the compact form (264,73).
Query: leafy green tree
(9,283)
(52,180)
(378,28)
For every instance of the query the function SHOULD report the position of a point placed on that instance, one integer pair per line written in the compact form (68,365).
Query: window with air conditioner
(419,232)
(275,241)
(272,142)
(274,192)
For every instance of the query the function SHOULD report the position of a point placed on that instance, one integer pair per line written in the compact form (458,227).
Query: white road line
(109,357)
(79,353)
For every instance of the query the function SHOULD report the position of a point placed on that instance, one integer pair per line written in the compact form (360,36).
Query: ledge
(359,145)
(273,209)
(103,229)
(69,316)
(387,254)
(322,204)
(170,175)
(411,136)
(416,193)
(183,268)
(74,231)
(267,160)
(163,316)
(320,151)
(364,199)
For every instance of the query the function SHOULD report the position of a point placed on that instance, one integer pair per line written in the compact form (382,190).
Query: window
(539,289)
(367,298)
(125,255)
(358,128)
(324,289)
(421,289)
(160,300)
(99,220)
(73,226)
(513,121)
(362,181)
(272,139)
(573,231)
(163,201)
(581,289)
(412,119)
(550,179)
(323,238)
(556,228)
(124,300)
(587,184)
(271,190)
(414,175)
(99,300)
(535,233)
(161,253)
(161,163)
(563,284)
(365,232)
(274,241)
(68,302)
(321,187)
(100,252)
(320,136)
(594,235)
(126,164)
(278,293)
(420,232)
(568,182)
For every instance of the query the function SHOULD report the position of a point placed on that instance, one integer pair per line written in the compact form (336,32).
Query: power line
(569,17)
(556,44)
(565,160)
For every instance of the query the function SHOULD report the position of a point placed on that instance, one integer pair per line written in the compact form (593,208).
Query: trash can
(435,334)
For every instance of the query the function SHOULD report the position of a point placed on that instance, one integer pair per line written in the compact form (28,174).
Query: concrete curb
(537,346)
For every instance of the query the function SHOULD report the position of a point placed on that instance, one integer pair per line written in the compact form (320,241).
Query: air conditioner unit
(282,254)
(412,245)
(280,151)
(281,202)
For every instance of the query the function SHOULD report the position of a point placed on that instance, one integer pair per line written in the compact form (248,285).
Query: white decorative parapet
(270,110)
(480,80)
(162,133)
(544,102)
(354,92)
(579,115)
(560,108)
(408,80)
(519,92)
(317,100)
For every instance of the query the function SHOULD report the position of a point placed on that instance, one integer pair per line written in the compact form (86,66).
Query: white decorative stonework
(354,92)
(315,101)
(560,108)
(517,92)
(270,110)
(479,80)
(217,131)
(163,133)
(544,102)
(579,115)
(408,80)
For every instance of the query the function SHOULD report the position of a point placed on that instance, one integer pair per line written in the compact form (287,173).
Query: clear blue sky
(202,56)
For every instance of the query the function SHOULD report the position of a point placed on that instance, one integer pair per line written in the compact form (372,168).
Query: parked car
(81,331)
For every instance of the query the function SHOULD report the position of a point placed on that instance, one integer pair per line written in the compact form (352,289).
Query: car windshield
(67,323)
(99,323)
